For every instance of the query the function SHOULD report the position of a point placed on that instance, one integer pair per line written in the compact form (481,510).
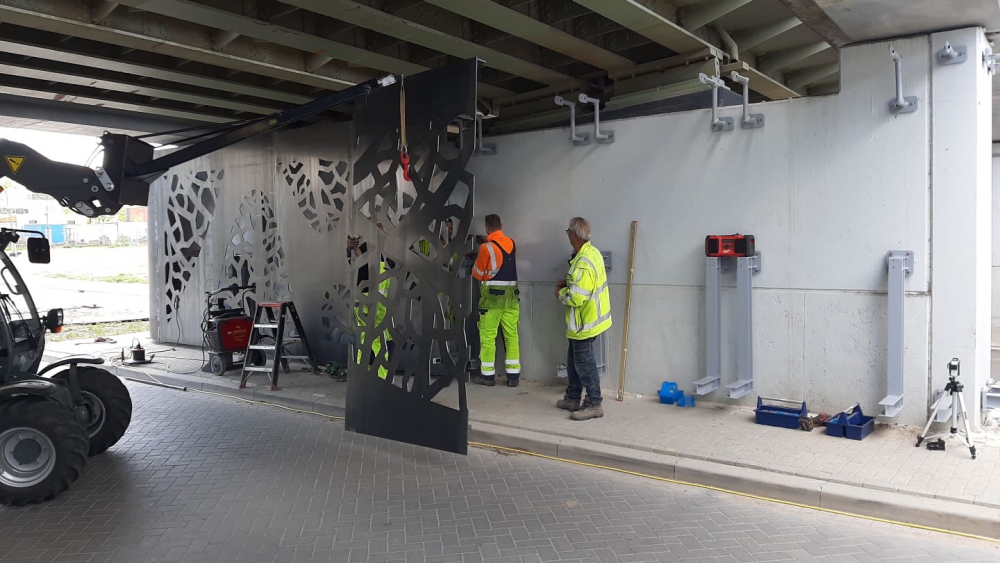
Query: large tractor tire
(43,448)
(107,409)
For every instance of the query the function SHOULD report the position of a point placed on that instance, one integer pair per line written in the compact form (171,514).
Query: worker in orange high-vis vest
(496,268)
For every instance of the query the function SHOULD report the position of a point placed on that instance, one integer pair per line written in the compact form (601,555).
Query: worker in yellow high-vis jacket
(496,268)
(379,344)
(585,294)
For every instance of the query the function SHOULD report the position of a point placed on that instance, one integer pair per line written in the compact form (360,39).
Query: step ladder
(269,322)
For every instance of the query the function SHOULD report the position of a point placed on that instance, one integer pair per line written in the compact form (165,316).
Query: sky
(61,147)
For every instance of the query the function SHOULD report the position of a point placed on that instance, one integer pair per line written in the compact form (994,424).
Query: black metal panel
(424,300)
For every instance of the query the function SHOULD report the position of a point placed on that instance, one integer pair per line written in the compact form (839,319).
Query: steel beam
(75,57)
(701,14)
(760,82)
(747,39)
(202,14)
(648,23)
(817,20)
(773,62)
(121,83)
(406,30)
(47,94)
(58,17)
(800,79)
(528,28)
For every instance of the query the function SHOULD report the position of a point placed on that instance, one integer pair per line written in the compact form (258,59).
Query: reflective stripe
(514,371)
(488,371)
(513,362)
(501,283)
(493,259)
(594,324)
(489,364)
(478,271)
(579,291)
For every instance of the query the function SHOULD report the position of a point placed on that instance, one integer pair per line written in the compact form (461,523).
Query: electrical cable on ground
(484,446)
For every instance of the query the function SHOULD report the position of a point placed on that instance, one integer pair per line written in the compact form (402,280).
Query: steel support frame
(900,264)
(745,268)
(713,328)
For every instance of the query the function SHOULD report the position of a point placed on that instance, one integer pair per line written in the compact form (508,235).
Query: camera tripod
(954,389)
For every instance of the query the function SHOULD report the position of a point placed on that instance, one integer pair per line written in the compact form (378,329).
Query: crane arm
(129,163)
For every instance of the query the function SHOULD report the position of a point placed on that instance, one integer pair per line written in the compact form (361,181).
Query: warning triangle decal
(14,162)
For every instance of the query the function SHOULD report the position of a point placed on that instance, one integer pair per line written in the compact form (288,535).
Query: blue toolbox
(852,424)
(783,417)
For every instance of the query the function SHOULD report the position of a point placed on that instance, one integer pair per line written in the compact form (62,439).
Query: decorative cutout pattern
(322,207)
(190,206)
(254,253)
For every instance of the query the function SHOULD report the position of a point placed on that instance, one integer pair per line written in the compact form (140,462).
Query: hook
(900,104)
(578,140)
(607,137)
(756,120)
(719,124)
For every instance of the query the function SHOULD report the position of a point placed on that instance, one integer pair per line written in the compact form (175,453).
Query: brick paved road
(202,478)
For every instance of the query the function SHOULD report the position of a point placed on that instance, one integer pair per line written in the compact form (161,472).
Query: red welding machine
(718,246)
(229,334)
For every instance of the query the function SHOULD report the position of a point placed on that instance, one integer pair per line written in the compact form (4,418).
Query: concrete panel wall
(828,187)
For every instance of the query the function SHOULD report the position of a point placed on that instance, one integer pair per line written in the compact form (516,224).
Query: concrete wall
(828,187)
(995,261)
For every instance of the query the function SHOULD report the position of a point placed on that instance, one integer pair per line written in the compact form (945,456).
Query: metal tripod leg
(968,429)
(930,420)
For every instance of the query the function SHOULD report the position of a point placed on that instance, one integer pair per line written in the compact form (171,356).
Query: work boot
(481,380)
(512,382)
(570,405)
(587,412)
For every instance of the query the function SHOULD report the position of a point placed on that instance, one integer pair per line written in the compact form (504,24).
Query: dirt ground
(91,284)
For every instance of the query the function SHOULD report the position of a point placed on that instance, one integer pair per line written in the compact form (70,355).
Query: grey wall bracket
(579,139)
(713,328)
(750,121)
(900,263)
(745,268)
(719,124)
(481,148)
(949,55)
(901,104)
(990,61)
(602,137)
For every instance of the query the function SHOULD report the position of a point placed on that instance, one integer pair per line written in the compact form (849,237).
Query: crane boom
(129,163)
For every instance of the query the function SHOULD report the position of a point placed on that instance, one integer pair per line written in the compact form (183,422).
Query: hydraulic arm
(129,163)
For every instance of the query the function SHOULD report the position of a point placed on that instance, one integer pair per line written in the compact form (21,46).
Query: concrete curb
(898,507)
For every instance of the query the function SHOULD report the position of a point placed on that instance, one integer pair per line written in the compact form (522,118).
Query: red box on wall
(718,246)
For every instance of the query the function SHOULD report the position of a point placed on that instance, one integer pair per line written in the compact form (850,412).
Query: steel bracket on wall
(602,137)
(579,139)
(713,328)
(900,263)
(745,268)
(719,124)
(990,61)
(949,55)
(482,149)
(901,104)
(750,121)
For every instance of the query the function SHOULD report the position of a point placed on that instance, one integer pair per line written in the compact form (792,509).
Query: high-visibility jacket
(496,263)
(586,295)
(361,311)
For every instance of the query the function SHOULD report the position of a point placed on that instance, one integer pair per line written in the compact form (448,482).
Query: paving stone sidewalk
(887,460)
(202,479)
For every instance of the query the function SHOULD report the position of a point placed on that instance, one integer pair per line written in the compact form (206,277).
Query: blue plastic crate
(782,417)
(852,424)
(685,400)
(668,392)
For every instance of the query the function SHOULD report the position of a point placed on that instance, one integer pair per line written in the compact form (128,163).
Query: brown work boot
(480,380)
(570,405)
(587,412)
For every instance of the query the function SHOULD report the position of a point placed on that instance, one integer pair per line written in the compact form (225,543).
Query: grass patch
(79,332)
(117,278)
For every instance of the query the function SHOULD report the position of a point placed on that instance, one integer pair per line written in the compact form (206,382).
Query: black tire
(216,364)
(108,411)
(62,429)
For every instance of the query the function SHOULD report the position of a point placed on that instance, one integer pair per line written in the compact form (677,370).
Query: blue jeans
(581,367)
